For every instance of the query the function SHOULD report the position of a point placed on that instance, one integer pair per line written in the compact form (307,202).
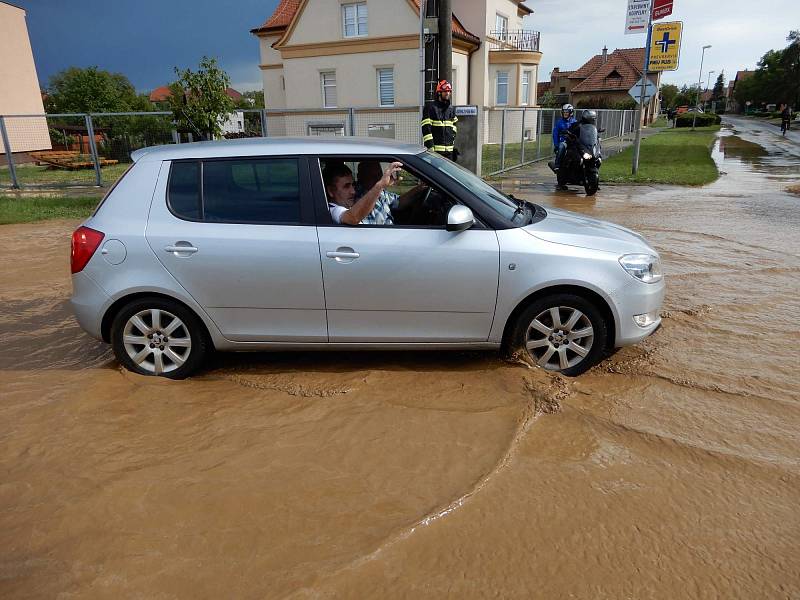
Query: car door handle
(180,249)
(342,254)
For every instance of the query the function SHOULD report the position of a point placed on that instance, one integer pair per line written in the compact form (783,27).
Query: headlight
(586,156)
(644,267)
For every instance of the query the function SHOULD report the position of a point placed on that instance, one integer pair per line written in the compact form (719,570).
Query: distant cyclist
(786,119)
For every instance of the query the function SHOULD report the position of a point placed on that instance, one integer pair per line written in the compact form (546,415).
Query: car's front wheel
(561,332)
(157,336)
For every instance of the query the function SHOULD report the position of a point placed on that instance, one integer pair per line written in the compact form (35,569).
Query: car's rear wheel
(157,336)
(561,332)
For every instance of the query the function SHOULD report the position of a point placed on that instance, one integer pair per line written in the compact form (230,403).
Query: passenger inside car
(414,202)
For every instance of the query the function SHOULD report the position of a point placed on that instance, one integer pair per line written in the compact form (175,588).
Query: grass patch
(37,208)
(491,153)
(32,174)
(674,156)
(660,122)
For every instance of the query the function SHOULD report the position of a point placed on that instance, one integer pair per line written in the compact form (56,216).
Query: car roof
(278,146)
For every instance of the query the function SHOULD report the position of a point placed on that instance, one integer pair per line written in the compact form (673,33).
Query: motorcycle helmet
(568,108)
(589,117)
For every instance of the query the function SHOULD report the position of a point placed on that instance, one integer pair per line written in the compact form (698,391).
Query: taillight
(84,243)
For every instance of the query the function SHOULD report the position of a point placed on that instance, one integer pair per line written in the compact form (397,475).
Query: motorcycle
(582,160)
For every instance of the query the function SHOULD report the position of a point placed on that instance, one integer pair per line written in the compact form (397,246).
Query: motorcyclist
(786,118)
(560,129)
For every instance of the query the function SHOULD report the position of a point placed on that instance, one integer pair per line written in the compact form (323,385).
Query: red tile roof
(161,94)
(543,87)
(621,71)
(286,9)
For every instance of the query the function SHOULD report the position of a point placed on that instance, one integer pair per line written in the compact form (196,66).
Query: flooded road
(671,470)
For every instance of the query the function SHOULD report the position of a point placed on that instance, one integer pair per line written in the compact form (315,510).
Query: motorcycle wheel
(591,183)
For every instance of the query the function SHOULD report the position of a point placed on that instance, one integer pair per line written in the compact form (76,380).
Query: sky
(145,39)
(739,31)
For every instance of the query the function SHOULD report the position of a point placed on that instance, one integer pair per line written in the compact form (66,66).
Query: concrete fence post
(93,149)
(522,140)
(503,140)
(9,156)
(352,118)
(264,131)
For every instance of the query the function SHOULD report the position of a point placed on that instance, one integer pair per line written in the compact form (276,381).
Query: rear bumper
(637,298)
(89,303)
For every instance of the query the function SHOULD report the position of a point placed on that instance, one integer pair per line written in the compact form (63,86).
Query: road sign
(637,16)
(665,46)
(650,90)
(661,9)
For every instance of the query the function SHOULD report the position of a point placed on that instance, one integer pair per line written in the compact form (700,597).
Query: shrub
(703,119)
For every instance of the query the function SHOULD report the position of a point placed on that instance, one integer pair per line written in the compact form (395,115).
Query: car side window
(260,190)
(412,201)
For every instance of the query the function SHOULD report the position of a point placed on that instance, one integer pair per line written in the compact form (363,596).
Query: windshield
(588,136)
(492,198)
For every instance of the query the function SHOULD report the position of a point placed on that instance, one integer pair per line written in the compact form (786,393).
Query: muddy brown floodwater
(671,470)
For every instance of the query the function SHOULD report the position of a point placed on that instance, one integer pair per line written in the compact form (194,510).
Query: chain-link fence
(513,137)
(95,149)
(58,150)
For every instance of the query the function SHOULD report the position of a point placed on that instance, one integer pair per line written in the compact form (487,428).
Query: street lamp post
(708,83)
(699,83)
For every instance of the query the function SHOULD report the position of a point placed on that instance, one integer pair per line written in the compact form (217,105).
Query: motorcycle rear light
(85,242)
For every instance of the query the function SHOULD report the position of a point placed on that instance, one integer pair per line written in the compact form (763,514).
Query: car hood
(573,229)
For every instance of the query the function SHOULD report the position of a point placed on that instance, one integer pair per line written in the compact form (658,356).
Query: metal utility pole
(431,49)
(699,83)
(640,112)
(445,38)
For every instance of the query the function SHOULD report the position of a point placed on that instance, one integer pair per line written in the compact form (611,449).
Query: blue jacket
(560,130)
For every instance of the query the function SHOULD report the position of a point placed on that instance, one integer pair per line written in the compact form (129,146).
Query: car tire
(159,337)
(570,346)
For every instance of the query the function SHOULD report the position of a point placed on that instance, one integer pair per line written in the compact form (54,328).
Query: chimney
(605,54)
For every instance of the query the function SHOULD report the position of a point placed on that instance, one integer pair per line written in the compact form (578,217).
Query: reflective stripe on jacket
(439,126)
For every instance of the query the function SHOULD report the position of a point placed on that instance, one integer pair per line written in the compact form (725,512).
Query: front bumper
(637,298)
(89,303)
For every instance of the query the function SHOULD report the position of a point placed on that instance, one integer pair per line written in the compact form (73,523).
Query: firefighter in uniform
(439,123)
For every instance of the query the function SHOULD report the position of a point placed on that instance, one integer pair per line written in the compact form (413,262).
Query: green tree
(668,94)
(91,90)
(548,100)
(252,99)
(199,102)
(719,87)
(777,78)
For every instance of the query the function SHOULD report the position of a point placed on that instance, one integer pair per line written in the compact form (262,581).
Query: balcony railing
(524,40)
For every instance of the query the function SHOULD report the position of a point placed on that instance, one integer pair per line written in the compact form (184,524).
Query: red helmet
(444,86)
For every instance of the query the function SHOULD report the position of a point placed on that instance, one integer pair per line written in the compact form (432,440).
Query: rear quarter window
(183,190)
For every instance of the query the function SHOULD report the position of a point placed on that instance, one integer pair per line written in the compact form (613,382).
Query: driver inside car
(372,203)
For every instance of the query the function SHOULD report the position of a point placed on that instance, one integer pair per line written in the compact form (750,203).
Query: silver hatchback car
(231,246)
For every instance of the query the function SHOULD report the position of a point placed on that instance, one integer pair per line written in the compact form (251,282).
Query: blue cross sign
(665,42)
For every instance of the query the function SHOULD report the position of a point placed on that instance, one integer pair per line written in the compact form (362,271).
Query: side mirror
(459,218)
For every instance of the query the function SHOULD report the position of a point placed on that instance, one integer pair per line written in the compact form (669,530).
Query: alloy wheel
(559,337)
(156,341)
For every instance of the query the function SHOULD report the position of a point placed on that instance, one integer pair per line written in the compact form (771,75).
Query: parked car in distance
(230,246)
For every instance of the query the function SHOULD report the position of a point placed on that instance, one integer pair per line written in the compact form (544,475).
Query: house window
(526,87)
(502,87)
(562,90)
(354,19)
(386,87)
(501,25)
(328,81)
